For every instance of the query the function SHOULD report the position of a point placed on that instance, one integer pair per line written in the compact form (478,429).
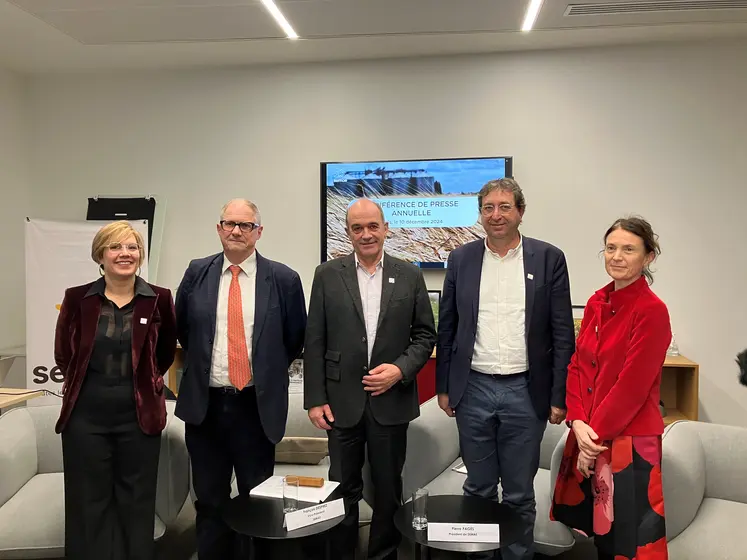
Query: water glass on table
(420,509)
(290,494)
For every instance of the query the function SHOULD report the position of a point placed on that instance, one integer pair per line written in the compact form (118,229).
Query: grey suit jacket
(336,350)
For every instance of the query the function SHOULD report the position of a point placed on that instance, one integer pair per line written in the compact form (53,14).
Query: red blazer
(153,348)
(615,374)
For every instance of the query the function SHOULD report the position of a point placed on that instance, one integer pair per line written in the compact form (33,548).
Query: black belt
(501,375)
(230,390)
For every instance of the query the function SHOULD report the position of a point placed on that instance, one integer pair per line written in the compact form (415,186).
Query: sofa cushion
(301,450)
(725,479)
(32,523)
(716,532)
(18,459)
(432,444)
(298,423)
(553,434)
(550,537)
(173,469)
(159,529)
(48,442)
(683,476)
(448,482)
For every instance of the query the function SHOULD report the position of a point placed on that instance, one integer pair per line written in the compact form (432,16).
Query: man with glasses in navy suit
(241,320)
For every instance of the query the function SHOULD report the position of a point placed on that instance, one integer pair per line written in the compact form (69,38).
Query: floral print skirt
(622,504)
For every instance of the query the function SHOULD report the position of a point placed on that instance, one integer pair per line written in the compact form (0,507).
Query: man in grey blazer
(369,333)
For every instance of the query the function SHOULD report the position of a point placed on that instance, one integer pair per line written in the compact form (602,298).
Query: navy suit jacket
(549,330)
(279,326)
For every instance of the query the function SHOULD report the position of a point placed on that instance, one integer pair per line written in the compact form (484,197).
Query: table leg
(327,547)
(422,552)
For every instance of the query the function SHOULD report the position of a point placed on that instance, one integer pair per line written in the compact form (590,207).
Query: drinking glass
(290,494)
(419,509)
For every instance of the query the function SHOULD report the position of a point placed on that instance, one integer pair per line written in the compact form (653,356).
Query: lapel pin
(143,321)
(530,276)
(391,280)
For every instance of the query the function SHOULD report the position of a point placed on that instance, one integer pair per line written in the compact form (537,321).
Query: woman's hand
(586,437)
(585,464)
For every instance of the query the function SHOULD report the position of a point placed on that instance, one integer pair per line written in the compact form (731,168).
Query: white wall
(14,198)
(595,134)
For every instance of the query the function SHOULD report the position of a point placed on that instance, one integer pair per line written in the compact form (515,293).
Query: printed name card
(314,514)
(464,532)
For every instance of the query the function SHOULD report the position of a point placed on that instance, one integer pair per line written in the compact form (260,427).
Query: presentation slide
(430,205)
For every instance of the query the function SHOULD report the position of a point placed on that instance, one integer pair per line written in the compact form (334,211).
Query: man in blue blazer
(505,338)
(241,320)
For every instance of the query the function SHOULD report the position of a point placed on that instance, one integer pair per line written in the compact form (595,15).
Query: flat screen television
(430,205)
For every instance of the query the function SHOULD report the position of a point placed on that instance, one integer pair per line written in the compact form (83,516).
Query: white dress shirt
(370,289)
(247,282)
(500,343)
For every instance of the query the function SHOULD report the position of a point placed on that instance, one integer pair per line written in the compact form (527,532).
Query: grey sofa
(704,475)
(433,451)
(32,518)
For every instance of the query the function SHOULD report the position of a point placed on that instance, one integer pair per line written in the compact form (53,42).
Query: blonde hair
(115,233)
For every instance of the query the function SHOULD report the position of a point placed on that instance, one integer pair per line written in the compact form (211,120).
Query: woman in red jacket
(609,484)
(115,339)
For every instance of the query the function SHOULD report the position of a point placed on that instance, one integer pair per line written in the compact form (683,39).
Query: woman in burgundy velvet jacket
(609,484)
(115,339)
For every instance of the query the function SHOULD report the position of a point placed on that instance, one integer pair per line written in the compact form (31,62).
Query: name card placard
(464,532)
(314,514)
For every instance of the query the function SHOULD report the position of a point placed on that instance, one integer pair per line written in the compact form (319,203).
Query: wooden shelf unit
(174,376)
(679,389)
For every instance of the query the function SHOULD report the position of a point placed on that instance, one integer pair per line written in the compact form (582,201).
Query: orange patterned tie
(239,368)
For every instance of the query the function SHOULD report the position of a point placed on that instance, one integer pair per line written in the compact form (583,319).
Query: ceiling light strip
(531,16)
(280,19)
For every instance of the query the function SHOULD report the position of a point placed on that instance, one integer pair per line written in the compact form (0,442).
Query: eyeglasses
(488,209)
(245,227)
(118,248)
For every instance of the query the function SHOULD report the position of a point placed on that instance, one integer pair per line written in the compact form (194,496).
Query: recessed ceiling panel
(142,25)
(339,18)
(128,21)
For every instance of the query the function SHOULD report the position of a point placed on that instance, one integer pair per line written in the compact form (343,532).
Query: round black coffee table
(460,509)
(262,518)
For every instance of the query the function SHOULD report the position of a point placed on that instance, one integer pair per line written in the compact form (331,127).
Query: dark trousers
(110,491)
(500,437)
(387,446)
(230,438)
